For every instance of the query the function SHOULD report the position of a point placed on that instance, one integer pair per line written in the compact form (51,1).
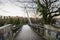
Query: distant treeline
(36,20)
(12,20)
(18,20)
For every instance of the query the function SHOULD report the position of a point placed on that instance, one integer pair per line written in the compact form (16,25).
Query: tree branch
(54,11)
(54,1)
(55,15)
(58,10)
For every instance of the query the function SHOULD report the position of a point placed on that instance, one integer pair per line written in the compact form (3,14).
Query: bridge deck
(27,34)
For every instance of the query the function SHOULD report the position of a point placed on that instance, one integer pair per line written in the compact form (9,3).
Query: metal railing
(47,31)
(5,32)
(8,32)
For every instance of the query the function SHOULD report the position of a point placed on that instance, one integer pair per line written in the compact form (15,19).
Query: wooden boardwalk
(27,34)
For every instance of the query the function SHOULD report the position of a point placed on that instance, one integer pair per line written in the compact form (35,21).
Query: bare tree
(48,9)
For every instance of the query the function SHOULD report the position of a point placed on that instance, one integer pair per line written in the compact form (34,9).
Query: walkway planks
(27,34)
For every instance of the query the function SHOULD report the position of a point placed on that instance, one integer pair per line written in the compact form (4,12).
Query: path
(27,34)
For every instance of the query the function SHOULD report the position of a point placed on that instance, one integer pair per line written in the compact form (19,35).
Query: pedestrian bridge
(26,32)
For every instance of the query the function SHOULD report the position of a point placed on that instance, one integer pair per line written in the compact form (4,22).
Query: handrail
(4,26)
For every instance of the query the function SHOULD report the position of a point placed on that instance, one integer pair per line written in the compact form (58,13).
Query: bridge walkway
(27,34)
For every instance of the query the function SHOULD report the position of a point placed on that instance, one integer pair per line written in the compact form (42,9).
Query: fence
(6,32)
(47,31)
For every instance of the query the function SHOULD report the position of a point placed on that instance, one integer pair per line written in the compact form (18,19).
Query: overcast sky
(11,8)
